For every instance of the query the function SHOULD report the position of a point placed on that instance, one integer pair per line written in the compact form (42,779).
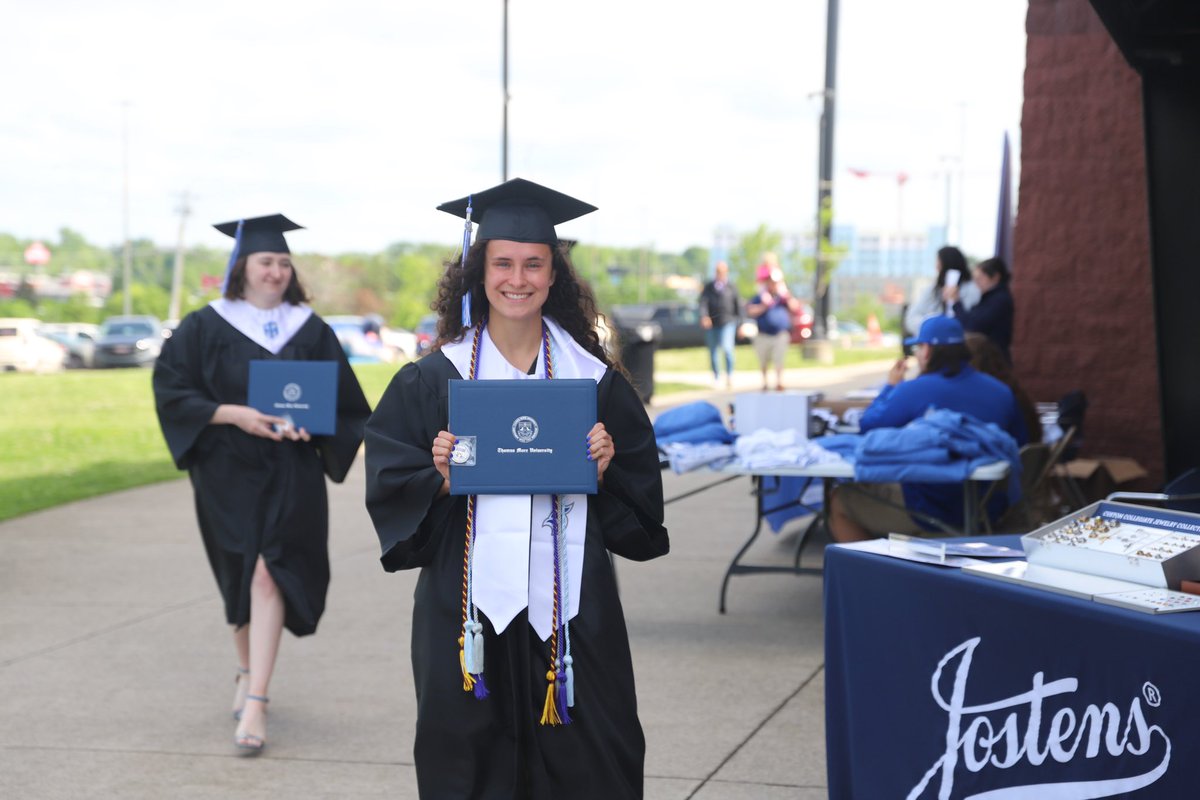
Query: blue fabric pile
(942,446)
(692,423)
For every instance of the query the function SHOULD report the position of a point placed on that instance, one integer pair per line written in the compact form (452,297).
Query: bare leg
(241,642)
(841,526)
(266,626)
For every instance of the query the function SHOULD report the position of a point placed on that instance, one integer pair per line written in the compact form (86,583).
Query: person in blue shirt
(947,381)
(772,309)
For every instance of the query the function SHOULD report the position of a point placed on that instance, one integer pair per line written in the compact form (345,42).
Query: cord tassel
(561,683)
(468,681)
(481,690)
(477,648)
(550,709)
(570,682)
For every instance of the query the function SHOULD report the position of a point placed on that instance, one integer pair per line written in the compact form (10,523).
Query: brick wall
(1082,282)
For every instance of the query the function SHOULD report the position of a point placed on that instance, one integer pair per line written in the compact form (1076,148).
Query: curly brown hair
(235,287)
(570,302)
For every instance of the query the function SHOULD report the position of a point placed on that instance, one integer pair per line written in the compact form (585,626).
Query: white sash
(270,328)
(513,562)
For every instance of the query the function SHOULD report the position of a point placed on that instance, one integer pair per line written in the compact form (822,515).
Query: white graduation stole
(270,328)
(513,559)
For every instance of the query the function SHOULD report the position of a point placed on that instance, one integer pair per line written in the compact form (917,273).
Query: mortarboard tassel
(466,298)
(233,255)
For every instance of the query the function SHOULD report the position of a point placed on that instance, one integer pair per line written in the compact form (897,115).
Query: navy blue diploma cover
(522,436)
(304,391)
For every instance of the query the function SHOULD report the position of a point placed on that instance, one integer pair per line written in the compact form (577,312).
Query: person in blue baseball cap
(946,381)
(938,331)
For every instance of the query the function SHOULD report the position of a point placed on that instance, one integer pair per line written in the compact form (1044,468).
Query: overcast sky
(356,117)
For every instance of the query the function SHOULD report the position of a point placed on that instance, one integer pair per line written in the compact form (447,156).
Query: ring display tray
(1114,553)
(1148,546)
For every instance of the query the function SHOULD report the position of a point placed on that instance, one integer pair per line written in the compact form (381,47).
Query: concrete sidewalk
(116,667)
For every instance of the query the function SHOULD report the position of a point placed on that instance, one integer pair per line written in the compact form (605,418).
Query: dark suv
(679,321)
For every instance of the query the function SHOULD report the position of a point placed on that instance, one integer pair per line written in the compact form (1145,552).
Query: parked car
(79,338)
(23,349)
(365,338)
(802,323)
(133,341)
(426,332)
(678,320)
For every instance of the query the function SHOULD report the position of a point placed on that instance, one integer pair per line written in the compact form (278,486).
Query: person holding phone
(951,271)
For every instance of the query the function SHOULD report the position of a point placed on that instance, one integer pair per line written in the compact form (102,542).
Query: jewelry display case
(1148,546)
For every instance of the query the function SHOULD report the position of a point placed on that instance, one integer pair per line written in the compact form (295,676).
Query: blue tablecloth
(941,684)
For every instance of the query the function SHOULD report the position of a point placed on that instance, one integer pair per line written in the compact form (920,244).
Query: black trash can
(639,340)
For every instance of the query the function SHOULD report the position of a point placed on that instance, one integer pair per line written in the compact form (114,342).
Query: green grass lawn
(695,359)
(82,433)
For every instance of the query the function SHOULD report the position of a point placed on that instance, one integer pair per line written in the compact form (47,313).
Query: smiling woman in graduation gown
(259,484)
(496,747)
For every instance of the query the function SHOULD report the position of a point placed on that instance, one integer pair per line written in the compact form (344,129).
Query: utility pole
(127,277)
(819,346)
(504,129)
(177,274)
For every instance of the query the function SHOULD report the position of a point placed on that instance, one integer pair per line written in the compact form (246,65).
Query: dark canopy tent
(1161,40)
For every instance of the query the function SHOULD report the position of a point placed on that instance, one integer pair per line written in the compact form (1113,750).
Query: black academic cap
(260,234)
(519,211)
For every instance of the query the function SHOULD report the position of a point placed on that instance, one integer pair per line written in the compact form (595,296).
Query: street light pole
(177,273)
(504,133)
(818,346)
(127,254)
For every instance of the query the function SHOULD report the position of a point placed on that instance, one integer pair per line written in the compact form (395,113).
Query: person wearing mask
(259,481)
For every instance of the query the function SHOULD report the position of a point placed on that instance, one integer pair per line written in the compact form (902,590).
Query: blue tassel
(233,255)
(466,300)
(466,309)
(481,690)
(570,681)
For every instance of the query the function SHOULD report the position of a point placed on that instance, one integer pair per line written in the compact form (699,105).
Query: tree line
(398,283)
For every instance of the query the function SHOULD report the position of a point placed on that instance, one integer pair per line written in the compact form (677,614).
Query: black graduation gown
(255,496)
(494,747)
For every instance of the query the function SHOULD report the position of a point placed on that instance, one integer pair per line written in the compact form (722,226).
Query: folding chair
(1181,493)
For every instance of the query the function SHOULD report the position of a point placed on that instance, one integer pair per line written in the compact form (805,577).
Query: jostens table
(941,684)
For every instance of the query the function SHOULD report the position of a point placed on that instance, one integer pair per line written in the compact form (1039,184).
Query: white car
(23,349)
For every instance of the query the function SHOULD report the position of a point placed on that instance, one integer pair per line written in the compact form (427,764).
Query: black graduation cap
(519,211)
(259,234)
